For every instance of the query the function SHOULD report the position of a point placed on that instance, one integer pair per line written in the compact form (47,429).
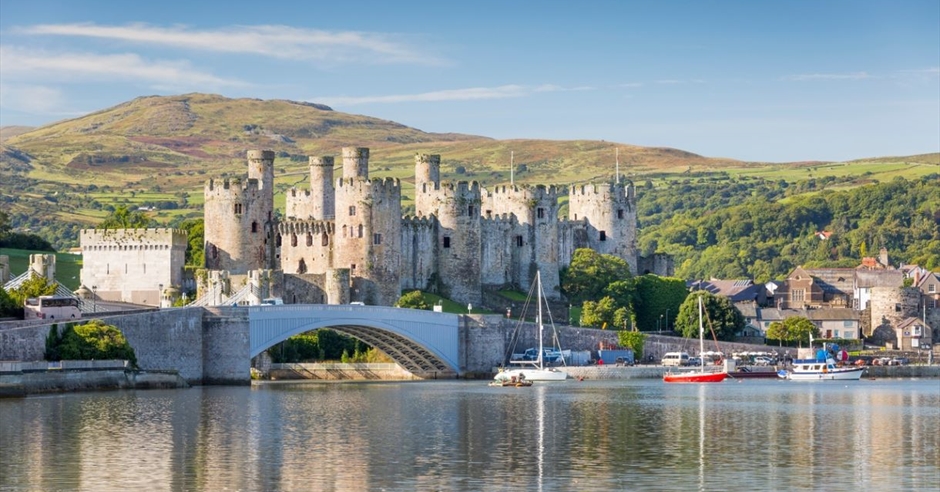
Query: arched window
(293,239)
(324,239)
(309,239)
(302,266)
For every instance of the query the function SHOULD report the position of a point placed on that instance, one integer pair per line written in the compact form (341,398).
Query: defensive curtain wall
(216,345)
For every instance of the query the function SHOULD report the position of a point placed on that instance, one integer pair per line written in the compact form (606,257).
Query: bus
(52,307)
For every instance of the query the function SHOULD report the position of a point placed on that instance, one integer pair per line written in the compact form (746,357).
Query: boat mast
(538,284)
(701,335)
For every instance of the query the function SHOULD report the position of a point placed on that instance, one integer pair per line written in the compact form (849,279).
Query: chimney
(883,257)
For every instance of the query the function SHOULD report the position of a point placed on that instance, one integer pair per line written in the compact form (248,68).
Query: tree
(4,223)
(122,218)
(600,314)
(590,273)
(657,300)
(719,316)
(195,235)
(92,340)
(413,300)
(793,329)
(633,340)
(34,286)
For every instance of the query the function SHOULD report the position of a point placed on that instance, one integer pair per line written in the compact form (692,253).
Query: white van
(676,359)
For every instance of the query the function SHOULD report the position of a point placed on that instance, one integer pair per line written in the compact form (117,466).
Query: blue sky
(751,80)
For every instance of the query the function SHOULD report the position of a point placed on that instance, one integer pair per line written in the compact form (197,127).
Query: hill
(157,152)
(12,131)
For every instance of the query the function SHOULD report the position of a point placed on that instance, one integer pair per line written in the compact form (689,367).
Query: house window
(835,333)
(360,230)
(797,295)
(540,212)
(620,213)
(352,210)
(376,239)
(519,241)
(238,208)
(603,235)
(847,323)
(446,242)
(931,288)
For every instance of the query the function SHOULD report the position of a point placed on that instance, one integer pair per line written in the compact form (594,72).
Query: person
(522,376)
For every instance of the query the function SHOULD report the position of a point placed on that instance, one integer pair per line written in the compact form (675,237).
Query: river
(467,436)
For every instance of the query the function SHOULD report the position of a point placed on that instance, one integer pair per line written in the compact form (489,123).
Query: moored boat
(820,370)
(700,375)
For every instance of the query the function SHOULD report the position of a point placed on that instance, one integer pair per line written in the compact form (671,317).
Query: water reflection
(869,435)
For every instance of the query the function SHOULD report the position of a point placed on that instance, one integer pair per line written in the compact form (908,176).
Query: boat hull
(848,374)
(533,374)
(695,377)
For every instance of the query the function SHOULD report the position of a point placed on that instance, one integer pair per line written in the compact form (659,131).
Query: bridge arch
(423,342)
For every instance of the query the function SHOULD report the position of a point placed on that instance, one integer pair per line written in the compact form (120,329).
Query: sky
(769,81)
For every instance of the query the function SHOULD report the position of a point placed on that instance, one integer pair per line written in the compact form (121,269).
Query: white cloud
(33,99)
(829,76)
(475,93)
(469,94)
(276,41)
(19,63)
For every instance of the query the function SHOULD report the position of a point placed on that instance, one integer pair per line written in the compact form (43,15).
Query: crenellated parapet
(306,227)
(150,239)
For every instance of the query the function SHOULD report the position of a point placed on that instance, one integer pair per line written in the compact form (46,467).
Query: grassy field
(68,266)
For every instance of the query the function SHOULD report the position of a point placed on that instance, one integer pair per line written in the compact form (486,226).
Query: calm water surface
(591,435)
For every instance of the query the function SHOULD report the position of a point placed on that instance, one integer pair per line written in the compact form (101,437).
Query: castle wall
(457,208)
(497,246)
(610,211)
(306,246)
(890,306)
(419,250)
(130,265)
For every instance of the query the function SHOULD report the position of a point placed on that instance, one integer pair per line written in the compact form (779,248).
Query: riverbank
(19,379)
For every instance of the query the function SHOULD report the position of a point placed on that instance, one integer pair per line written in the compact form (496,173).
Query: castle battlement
(497,219)
(155,238)
(231,186)
(306,227)
(538,192)
(377,185)
(418,221)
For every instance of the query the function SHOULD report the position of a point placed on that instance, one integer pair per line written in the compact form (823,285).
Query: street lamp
(94,298)
(660,325)
(160,295)
(469,308)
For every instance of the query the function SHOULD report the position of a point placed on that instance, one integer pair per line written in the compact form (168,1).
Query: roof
(907,322)
(879,278)
(832,314)
(736,290)
(776,314)
(834,280)
(748,309)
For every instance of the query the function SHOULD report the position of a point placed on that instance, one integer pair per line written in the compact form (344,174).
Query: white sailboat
(534,370)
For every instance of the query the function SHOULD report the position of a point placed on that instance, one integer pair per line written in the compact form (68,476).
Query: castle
(345,239)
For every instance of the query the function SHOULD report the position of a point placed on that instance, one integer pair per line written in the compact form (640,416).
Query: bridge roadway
(423,342)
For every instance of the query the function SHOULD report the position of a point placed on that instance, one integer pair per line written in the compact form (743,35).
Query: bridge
(422,342)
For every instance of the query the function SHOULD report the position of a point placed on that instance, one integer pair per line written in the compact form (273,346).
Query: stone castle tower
(348,234)
(239,218)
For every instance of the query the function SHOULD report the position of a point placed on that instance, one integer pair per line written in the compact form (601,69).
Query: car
(695,361)
(763,361)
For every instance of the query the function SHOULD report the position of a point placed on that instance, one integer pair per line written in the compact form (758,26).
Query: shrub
(92,340)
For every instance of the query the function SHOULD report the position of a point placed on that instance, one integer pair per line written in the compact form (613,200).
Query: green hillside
(157,152)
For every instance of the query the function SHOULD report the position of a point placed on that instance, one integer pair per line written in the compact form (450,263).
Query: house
(913,334)
(807,288)
(752,332)
(929,285)
(842,323)
(823,235)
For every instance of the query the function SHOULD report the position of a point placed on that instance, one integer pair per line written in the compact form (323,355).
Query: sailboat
(700,375)
(537,369)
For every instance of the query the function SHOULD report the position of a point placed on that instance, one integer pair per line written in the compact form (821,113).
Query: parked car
(695,361)
(763,361)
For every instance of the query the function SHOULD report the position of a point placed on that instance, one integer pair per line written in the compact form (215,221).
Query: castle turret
(239,218)
(427,170)
(355,162)
(609,211)
(368,231)
(318,202)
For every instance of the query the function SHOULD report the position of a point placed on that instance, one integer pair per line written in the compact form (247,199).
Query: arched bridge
(420,341)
